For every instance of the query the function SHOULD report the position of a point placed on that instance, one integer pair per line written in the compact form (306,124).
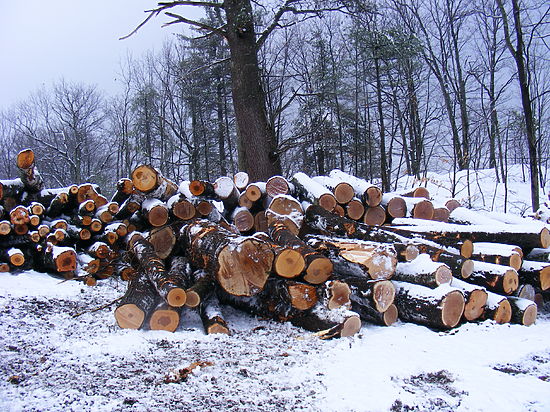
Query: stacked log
(324,253)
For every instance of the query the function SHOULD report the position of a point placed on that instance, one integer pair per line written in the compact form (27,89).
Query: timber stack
(324,253)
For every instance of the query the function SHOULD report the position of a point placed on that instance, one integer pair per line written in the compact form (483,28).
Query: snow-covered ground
(51,360)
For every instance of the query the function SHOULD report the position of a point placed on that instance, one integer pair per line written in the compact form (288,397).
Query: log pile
(324,253)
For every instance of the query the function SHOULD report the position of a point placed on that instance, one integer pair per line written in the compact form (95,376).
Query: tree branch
(162,6)
(180,19)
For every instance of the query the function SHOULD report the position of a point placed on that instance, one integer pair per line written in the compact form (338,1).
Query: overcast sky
(42,41)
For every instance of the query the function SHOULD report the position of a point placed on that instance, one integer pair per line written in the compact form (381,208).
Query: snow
(421,264)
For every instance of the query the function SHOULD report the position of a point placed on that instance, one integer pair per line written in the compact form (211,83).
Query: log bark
(357,258)
(169,285)
(212,317)
(241,265)
(440,308)
(497,278)
(124,188)
(501,254)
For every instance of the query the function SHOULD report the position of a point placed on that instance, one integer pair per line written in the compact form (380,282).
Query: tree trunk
(257,143)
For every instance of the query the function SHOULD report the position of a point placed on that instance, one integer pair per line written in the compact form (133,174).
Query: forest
(379,89)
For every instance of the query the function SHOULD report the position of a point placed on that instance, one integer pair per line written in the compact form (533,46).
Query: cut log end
(383,295)
(453,308)
(397,207)
(443,275)
(66,261)
(344,192)
(289,263)
(374,216)
(319,271)
(192,299)
(25,159)
(467,249)
(158,216)
(302,296)
(17,259)
(340,293)
(145,178)
(467,268)
(411,252)
(545,238)
(515,261)
(327,201)
(503,314)
(164,319)
(452,204)
(530,315)
(184,210)
(390,315)
(244,272)
(372,196)
(423,210)
(218,328)
(351,326)
(176,297)
(129,316)
(441,214)
(475,305)
(510,281)
(545,278)
(355,209)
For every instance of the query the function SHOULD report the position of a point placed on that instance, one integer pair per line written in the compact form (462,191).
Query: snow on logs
(313,191)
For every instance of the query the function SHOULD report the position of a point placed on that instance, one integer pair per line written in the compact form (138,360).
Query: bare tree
(519,52)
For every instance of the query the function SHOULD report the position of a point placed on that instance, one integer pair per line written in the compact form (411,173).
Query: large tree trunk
(256,138)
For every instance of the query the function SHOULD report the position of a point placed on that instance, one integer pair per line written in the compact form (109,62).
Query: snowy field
(51,360)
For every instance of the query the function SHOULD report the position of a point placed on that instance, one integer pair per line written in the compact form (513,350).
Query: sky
(43,41)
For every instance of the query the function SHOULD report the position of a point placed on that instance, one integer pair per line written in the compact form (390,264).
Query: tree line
(379,89)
